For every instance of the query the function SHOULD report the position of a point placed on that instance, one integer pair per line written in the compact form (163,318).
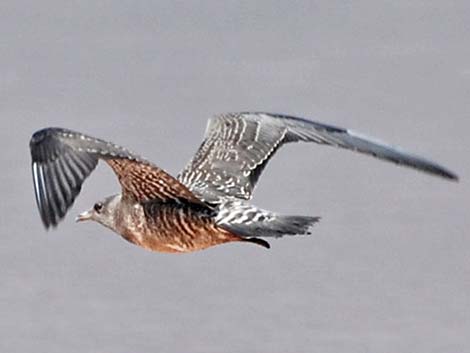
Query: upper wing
(237,146)
(63,159)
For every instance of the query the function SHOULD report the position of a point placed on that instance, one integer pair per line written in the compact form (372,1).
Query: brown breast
(171,227)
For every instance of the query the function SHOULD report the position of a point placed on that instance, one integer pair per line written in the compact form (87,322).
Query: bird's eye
(98,207)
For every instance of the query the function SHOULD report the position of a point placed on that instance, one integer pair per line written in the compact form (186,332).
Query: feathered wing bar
(237,147)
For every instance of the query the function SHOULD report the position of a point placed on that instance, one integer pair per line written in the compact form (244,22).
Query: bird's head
(103,212)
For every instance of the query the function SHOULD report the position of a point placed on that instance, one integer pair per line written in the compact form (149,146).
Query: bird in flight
(208,202)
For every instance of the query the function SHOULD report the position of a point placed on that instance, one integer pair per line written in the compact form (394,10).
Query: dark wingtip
(447,174)
(50,226)
(453,177)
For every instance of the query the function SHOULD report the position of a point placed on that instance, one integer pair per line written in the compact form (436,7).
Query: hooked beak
(84,216)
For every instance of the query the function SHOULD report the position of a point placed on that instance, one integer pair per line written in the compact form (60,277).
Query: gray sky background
(387,269)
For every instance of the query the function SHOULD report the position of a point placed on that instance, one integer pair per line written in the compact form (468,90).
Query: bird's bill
(84,216)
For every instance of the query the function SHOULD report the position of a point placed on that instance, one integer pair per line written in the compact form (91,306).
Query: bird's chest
(137,228)
(132,224)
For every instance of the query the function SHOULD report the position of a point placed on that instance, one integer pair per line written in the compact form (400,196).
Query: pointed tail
(275,226)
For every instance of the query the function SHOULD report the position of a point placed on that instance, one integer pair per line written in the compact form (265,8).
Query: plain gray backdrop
(386,270)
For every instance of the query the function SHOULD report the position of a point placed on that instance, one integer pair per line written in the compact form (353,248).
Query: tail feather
(276,227)
(287,225)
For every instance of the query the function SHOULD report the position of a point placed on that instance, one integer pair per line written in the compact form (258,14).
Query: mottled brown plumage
(154,210)
(145,182)
(159,213)
(207,204)
(171,227)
